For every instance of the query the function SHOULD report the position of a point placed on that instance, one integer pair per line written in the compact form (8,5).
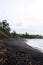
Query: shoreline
(19,51)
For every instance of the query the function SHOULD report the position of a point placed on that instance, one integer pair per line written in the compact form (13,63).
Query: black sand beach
(17,52)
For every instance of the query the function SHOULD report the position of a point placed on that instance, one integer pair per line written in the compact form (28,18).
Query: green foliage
(14,34)
(5,27)
(3,35)
(31,36)
(5,32)
(0,26)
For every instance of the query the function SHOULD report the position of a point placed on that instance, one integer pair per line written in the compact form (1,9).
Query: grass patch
(3,35)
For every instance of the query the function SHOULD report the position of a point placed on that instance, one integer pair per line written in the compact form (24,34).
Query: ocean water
(35,43)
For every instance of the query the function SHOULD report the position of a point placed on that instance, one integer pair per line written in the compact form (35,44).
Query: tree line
(5,32)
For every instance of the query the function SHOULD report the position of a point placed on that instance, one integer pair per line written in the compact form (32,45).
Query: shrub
(3,35)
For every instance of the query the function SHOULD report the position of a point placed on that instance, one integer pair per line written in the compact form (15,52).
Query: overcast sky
(23,15)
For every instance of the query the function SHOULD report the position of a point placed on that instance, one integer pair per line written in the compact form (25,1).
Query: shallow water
(36,43)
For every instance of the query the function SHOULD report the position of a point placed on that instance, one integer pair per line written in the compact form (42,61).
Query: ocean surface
(35,43)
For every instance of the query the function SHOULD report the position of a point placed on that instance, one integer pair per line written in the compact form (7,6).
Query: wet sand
(17,52)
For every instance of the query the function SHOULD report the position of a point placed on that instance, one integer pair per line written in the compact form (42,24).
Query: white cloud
(31,16)
(23,15)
